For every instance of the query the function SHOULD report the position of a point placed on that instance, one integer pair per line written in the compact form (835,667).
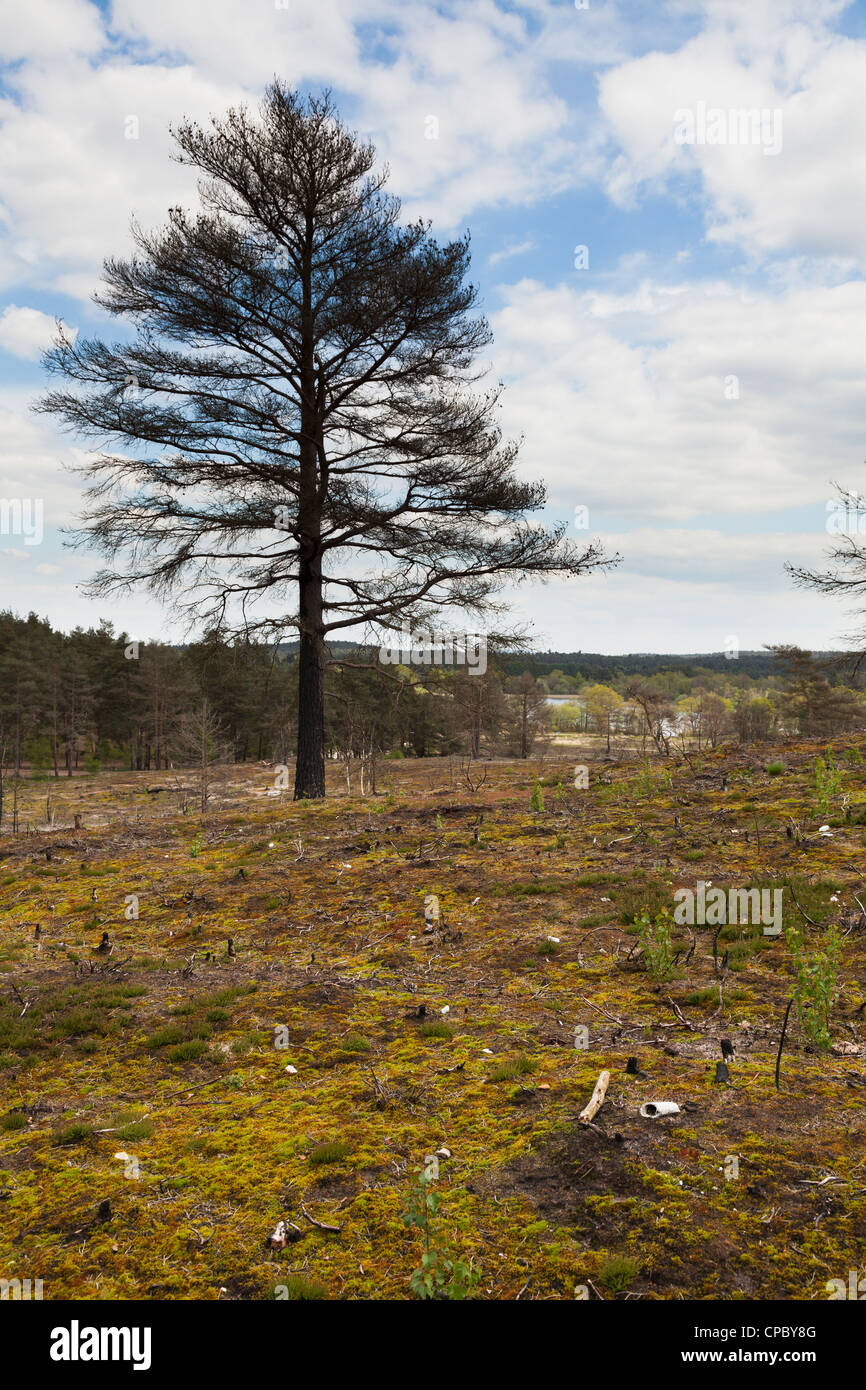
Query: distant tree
(810,705)
(602,703)
(199,740)
(530,713)
(480,707)
(656,714)
(714,717)
(295,416)
(753,718)
(569,717)
(363,704)
(704,716)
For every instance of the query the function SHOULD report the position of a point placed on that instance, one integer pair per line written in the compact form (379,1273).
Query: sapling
(817,983)
(439,1275)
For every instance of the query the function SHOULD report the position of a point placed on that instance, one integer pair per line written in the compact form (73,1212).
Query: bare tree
(296,415)
(656,711)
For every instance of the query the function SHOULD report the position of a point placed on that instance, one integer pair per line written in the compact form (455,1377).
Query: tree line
(74,702)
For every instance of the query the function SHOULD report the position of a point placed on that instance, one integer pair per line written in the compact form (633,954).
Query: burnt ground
(404,1042)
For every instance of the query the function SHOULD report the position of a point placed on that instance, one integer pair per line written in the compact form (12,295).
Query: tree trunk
(310,763)
(54,731)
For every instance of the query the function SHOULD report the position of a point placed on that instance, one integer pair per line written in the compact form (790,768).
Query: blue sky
(697,386)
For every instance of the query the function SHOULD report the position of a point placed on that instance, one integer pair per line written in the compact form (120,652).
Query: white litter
(654,1108)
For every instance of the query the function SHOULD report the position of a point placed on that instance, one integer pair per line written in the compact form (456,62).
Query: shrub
(518,1066)
(817,983)
(187,1051)
(73,1134)
(636,899)
(828,783)
(439,1275)
(656,935)
(436,1030)
(139,1129)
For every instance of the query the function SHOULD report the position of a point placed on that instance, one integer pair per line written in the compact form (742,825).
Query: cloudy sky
(677,298)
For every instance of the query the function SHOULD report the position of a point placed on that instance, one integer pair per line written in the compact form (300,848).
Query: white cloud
(776,56)
(26,332)
(622,398)
(519,248)
(71,179)
(51,29)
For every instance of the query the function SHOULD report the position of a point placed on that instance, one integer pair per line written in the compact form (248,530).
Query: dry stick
(684,1023)
(320,1224)
(805,917)
(782,1041)
(600,1010)
(589,1111)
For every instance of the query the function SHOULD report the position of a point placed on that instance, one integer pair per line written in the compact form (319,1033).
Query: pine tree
(298,443)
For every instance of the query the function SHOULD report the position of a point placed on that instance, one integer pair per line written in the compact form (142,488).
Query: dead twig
(782,1041)
(320,1225)
(804,915)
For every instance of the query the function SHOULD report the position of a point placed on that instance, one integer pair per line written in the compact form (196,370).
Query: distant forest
(595,666)
(86,699)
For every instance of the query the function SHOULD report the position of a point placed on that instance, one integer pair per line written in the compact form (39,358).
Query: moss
(238,1146)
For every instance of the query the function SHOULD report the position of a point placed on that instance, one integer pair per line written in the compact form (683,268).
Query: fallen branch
(589,1112)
